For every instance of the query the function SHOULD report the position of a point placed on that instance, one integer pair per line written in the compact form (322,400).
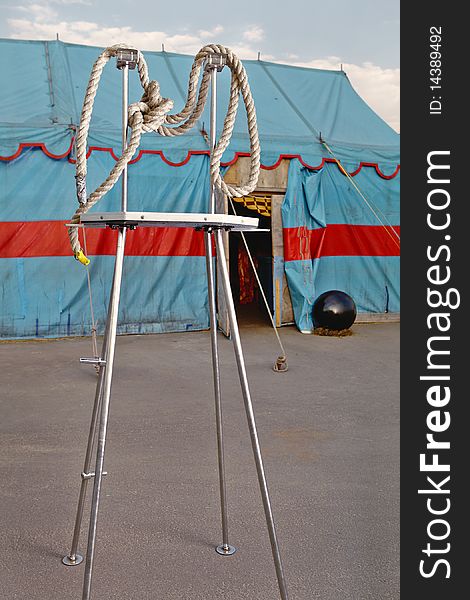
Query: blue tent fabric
(47,82)
(47,296)
(318,199)
(44,291)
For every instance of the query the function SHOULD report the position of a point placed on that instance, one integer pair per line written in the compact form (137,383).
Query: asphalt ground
(329,431)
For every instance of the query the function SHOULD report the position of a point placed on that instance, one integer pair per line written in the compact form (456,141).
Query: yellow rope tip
(82,258)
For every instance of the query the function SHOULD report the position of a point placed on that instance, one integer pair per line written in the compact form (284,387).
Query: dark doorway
(249,302)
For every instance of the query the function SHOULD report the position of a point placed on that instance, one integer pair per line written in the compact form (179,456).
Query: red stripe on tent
(190,153)
(301,243)
(49,238)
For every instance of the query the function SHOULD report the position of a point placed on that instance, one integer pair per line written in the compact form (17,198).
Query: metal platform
(158,219)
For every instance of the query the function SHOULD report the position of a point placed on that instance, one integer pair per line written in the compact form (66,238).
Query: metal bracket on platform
(127,57)
(217,61)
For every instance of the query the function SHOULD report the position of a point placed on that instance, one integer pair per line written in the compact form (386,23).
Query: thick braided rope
(145,115)
(150,114)
(239,83)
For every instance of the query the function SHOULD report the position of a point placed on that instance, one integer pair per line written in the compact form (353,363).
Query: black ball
(334,310)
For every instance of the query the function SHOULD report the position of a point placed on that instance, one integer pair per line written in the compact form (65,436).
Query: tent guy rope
(151,113)
(280,366)
(389,229)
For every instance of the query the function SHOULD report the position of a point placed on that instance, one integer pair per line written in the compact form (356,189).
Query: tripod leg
(110,343)
(225,548)
(73,558)
(250,415)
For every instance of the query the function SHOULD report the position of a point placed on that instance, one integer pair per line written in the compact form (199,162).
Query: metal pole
(104,412)
(250,415)
(109,343)
(225,548)
(73,558)
(125,104)
(213,128)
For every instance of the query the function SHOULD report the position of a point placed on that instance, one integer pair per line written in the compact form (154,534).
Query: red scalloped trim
(42,147)
(190,153)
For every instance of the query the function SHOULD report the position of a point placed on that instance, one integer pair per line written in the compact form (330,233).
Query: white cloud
(86,32)
(67,2)
(378,86)
(41,13)
(246,52)
(253,34)
(209,34)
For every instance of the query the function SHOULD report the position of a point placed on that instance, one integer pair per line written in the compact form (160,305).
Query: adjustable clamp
(99,362)
(86,476)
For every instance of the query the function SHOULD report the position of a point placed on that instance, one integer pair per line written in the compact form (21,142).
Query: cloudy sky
(362,35)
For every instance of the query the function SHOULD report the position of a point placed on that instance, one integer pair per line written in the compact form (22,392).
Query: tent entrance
(248,299)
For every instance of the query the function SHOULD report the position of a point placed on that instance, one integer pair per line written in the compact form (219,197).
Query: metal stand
(225,549)
(99,421)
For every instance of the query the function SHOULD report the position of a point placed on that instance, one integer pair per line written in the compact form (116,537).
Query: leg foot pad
(225,550)
(72,562)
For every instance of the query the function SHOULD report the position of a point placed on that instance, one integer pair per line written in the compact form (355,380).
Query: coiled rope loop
(151,113)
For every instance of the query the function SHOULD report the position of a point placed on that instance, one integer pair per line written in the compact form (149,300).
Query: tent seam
(289,101)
